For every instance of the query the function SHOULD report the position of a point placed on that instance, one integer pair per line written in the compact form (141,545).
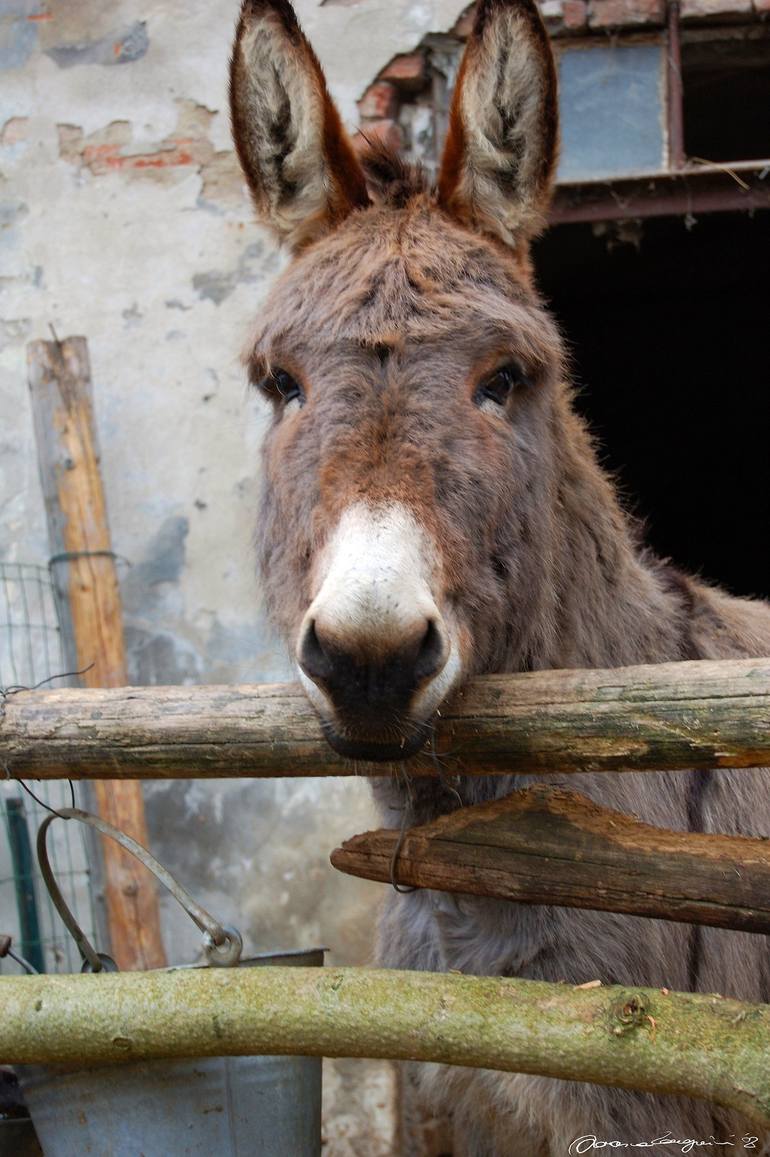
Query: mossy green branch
(649,1039)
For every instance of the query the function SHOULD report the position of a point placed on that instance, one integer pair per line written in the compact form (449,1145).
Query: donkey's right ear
(299,163)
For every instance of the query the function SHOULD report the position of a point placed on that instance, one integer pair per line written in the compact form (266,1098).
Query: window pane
(612,110)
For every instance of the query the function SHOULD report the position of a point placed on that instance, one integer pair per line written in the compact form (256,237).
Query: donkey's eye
(282,385)
(499,386)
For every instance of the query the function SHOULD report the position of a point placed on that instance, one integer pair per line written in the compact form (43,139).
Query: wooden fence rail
(544,845)
(649,1039)
(667,716)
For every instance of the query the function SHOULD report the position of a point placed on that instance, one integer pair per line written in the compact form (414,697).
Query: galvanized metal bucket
(267,1106)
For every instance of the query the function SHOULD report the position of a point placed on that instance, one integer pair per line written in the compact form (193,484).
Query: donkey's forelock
(391,180)
(392,276)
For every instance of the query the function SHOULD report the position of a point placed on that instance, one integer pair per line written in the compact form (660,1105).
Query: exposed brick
(408,71)
(621,13)
(575,14)
(380,101)
(714,9)
(387,131)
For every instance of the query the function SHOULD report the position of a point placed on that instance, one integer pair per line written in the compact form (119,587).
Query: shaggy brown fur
(300,166)
(387,323)
(500,153)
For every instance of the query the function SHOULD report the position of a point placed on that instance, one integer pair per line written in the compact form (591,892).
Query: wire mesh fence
(31,652)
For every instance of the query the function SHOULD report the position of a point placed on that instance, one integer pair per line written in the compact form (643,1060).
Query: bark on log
(650,1039)
(547,846)
(668,716)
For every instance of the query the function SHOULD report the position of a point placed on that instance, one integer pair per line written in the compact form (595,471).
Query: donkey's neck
(606,603)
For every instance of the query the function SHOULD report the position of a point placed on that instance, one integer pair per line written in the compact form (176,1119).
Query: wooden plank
(651,1039)
(544,845)
(90,609)
(667,716)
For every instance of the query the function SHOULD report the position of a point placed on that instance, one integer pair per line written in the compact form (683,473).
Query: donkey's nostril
(433,653)
(366,671)
(313,659)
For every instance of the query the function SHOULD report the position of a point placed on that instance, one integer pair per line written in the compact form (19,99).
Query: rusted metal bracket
(743,186)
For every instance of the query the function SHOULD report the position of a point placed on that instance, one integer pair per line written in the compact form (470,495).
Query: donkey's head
(413,375)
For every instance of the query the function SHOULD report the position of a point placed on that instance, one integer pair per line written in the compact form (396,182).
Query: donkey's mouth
(372,749)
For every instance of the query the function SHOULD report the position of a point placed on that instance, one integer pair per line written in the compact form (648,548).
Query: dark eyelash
(281,386)
(498,386)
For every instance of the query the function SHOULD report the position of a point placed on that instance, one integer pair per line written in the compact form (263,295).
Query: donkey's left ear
(300,166)
(501,147)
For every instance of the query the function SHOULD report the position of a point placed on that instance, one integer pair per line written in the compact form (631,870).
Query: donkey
(433,509)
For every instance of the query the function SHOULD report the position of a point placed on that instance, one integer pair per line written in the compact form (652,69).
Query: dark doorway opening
(669,331)
(727,97)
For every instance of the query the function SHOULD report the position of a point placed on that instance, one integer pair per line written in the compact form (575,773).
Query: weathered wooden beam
(649,1039)
(90,610)
(668,716)
(543,845)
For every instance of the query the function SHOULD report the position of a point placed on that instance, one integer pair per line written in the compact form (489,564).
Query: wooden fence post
(88,594)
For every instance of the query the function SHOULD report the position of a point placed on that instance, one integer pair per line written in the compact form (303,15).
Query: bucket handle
(222,944)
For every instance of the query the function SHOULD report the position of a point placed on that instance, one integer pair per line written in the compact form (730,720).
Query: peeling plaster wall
(123,217)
